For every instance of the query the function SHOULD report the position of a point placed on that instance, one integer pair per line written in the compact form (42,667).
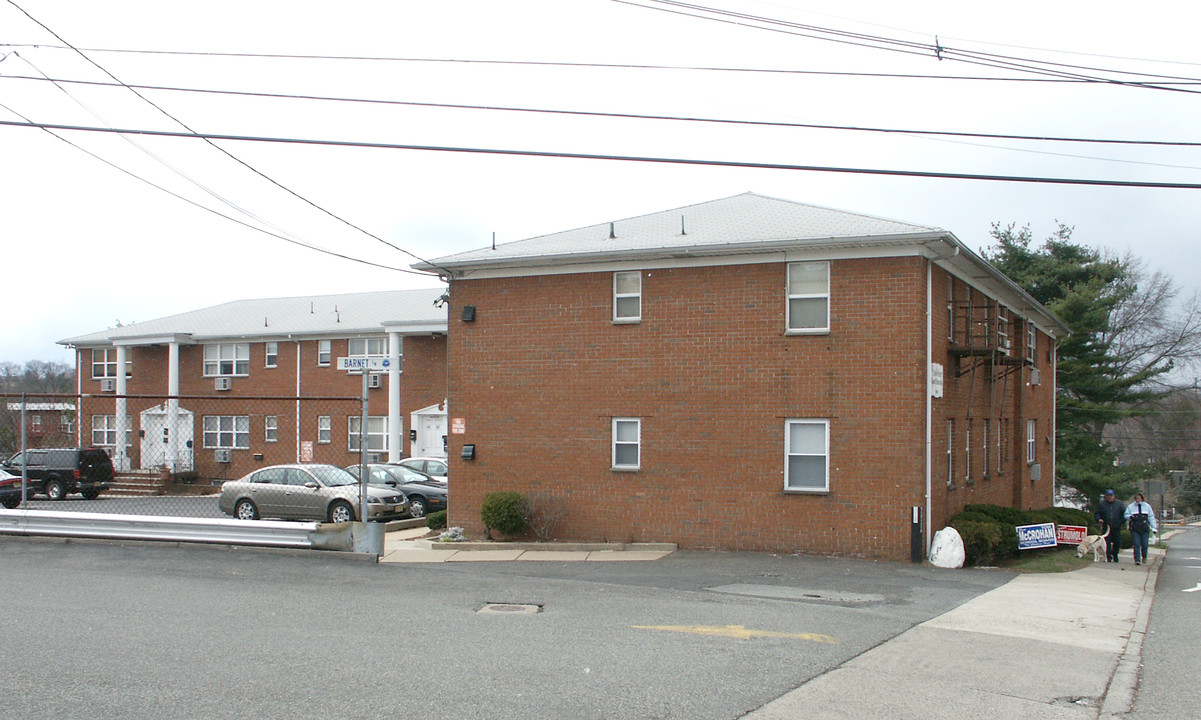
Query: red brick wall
(974,391)
(539,375)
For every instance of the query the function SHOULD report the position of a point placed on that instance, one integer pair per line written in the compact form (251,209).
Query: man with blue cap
(1112,515)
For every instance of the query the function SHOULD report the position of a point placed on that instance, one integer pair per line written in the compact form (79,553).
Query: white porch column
(172,404)
(120,454)
(395,421)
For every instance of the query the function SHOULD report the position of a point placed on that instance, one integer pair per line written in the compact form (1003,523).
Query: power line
(214,145)
(624,158)
(243,223)
(630,116)
(597,65)
(877,42)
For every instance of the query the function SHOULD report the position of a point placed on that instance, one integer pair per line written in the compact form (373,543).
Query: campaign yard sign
(1070,534)
(1036,536)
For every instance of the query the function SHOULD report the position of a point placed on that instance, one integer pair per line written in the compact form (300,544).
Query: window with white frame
(806,455)
(271,428)
(984,435)
(627,296)
(627,443)
(950,452)
(967,447)
(35,423)
(104,363)
(1000,444)
(223,359)
(1031,342)
(271,350)
(104,430)
(377,432)
(368,347)
(227,431)
(951,308)
(1003,341)
(323,429)
(323,352)
(1031,446)
(808,297)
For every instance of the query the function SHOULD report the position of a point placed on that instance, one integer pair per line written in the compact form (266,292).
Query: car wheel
(12,502)
(416,507)
(245,510)
(91,494)
(55,490)
(341,512)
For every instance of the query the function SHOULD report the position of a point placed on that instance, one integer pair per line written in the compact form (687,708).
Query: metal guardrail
(350,537)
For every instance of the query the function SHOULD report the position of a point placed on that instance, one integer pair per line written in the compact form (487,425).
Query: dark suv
(58,472)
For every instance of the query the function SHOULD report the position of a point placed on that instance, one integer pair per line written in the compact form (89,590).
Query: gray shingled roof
(310,315)
(718,226)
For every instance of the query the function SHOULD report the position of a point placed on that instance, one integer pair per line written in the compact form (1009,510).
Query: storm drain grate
(510,609)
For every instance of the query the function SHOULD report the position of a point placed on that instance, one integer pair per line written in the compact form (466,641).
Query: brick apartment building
(226,389)
(748,374)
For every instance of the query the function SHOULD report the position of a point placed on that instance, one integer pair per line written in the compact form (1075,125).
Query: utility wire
(625,158)
(611,66)
(211,210)
(631,116)
(900,46)
(214,145)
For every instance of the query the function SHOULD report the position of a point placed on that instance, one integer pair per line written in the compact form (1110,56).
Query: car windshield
(331,476)
(408,474)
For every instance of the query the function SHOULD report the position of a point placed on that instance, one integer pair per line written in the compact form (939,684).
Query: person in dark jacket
(1112,515)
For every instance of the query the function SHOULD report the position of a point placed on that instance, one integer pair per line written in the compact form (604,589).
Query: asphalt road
(100,630)
(1170,685)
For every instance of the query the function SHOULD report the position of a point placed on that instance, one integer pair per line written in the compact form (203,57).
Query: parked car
(425,494)
(10,489)
(432,466)
(58,472)
(321,493)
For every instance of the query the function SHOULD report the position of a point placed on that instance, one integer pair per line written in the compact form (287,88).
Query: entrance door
(158,447)
(429,426)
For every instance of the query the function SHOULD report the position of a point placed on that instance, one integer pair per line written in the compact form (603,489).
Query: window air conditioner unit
(375,457)
(1035,377)
(222,455)
(108,385)
(373,381)
(223,383)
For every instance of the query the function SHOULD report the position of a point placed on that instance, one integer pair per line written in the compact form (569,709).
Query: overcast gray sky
(87,246)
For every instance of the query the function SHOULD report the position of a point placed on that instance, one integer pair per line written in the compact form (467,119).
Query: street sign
(359,364)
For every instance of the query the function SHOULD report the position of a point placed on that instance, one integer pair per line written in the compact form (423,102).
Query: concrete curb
(1123,685)
(429,544)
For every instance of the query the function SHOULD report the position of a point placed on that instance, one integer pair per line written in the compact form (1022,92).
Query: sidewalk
(1041,647)
(406,546)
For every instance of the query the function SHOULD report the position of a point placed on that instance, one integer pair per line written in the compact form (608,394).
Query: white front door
(429,430)
(157,447)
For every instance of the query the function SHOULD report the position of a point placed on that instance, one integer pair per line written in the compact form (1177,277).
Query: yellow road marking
(737,631)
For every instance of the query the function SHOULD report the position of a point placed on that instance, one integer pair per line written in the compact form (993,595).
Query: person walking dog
(1141,517)
(1112,514)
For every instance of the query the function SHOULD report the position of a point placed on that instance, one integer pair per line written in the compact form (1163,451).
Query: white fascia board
(410,327)
(707,256)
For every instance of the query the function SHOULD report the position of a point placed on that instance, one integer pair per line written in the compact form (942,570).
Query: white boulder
(946,550)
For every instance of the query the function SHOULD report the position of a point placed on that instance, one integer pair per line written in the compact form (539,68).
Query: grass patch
(1050,560)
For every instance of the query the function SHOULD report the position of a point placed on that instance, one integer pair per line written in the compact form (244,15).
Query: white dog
(1093,543)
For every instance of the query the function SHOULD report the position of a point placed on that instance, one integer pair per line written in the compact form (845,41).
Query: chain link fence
(175,452)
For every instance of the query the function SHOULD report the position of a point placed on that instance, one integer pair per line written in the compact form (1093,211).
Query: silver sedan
(322,493)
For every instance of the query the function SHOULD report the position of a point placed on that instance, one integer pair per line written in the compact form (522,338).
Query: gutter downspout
(929,398)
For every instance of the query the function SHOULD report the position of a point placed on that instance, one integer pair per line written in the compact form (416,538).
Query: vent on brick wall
(223,383)
(222,455)
(373,381)
(108,385)
(1035,377)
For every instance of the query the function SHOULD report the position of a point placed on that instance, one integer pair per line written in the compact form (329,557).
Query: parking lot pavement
(409,546)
